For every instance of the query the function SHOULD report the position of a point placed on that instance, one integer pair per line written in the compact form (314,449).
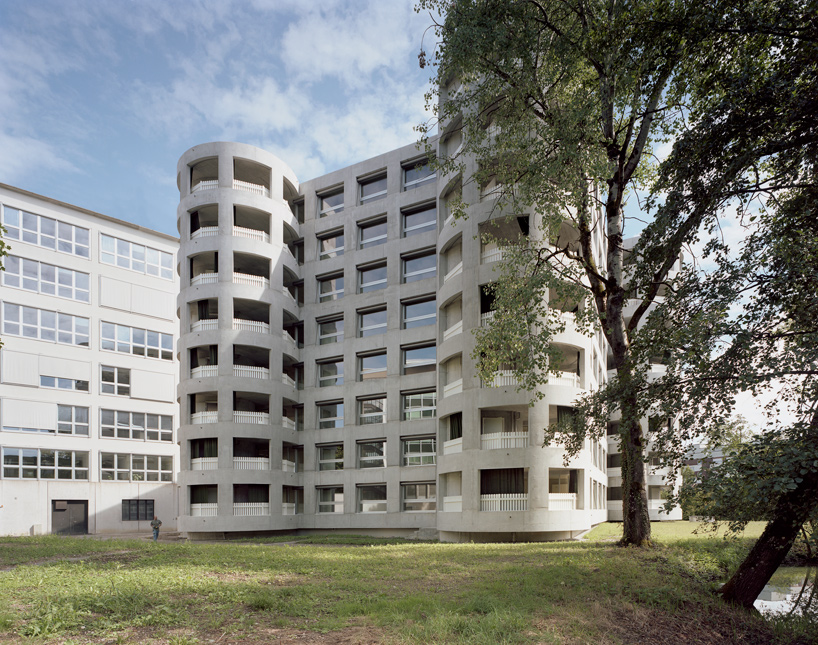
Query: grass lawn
(63,590)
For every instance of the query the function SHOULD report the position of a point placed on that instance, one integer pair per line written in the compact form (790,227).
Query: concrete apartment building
(88,413)
(319,375)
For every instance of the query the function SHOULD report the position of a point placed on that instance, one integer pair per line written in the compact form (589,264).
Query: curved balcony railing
(242,416)
(251,509)
(504,440)
(204,417)
(455,387)
(288,423)
(251,280)
(568,379)
(204,278)
(503,378)
(205,231)
(453,330)
(491,254)
(251,371)
(204,510)
(205,325)
(247,187)
(453,446)
(251,325)
(504,502)
(205,184)
(251,463)
(562,501)
(251,233)
(457,270)
(453,504)
(486,318)
(288,466)
(204,371)
(204,463)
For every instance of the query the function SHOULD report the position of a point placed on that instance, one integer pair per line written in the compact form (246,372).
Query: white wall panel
(29,414)
(65,368)
(152,385)
(152,302)
(19,368)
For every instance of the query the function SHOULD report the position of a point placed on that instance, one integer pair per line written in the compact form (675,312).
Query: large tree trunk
(635,516)
(791,511)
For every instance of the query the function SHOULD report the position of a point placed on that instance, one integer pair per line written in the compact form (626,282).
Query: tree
(579,92)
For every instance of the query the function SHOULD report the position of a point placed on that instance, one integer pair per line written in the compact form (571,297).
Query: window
(330,499)
(331,246)
(115,380)
(419,405)
(419,497)
(72,419)
(615,494)
(615,460)
(417,174)
(455,426)
(40,277)
(419,451)
(31,463)
(372,366)
(135,468)
(137,510)
(330,331)
(372,322)
(372,278)
(139,342)
(331,373)
(46,232)
(330,288)
(372,189)
(372,498)
(419,267)
(142,259)
(372,454)
(331,203)
(372,233)
(419,313)
(330,415)
(419,220)
(331,457)
(372,410)
(417,360)
(57,383)
(41,324)
(135,425)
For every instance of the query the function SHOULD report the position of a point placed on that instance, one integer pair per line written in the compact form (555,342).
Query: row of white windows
(57,327)
(417,451)
(374,232)
(372,410)
(373,188)
(416,360)
(42,463)
(113,424)
(50,233)
(374,277)
(373,321)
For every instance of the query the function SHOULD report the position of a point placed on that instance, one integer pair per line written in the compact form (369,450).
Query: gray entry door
(69,517)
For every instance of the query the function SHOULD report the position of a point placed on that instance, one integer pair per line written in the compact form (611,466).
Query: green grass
(86,591)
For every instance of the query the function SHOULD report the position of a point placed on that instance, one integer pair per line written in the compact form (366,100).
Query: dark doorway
(69,517)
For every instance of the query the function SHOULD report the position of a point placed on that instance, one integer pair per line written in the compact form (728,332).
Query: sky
(100,98)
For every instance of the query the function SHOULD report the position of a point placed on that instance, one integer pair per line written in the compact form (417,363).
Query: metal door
(69,517)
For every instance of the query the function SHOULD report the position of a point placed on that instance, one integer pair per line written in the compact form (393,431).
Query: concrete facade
(88,412)
(362,410)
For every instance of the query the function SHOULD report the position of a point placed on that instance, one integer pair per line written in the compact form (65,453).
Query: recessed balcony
(504,440)
(204,510)
(452,331)
(502,378)
(209,416)
(251,177)
(251,454)
(502,502)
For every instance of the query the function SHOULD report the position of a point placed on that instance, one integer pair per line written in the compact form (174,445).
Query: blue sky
(99,99)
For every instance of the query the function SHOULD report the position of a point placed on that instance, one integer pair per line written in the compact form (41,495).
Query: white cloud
(25,156)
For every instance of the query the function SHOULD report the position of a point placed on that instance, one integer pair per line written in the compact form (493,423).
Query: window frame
(64,239)
(332,463)
(421,456)
(326,211)
(408,166)
(411,414)
(381,502)
(51,326)
(163,470)
(336,293)
(375,285)
(336,504)
(74,469)
(122,424)
(366,373)
(328,254)
(422,274)
(363,417)
(363,331)
(75,424)
(338,361)
(113,254)
(409,323)
(430,498)
(377,239)
(334,419)
(376,178)
(417,229)
(423,366)
(60,383)
(120,385)
(336,336)
(155,344)
(15,277)
(145,510)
